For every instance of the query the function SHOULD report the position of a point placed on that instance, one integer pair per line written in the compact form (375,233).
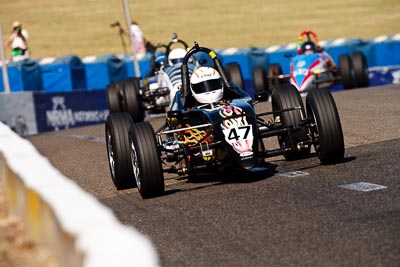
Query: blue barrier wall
(63,74)
(69,73)
(102,70)
(25,75)
(14,77)
(144,65)
(247,58)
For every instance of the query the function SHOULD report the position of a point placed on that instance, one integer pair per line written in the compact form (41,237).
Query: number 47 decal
(236,134)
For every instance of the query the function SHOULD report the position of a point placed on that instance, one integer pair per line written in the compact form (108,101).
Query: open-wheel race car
(313,68)
(215,127)
(155,92)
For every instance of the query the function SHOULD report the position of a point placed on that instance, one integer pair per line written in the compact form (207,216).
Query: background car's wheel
(112,94)
(260,82)
(133,104)
(274,81)
(346,71)
(284,97)
(325,127)
(145,158)
(118,150)
(360,69)
(234,73)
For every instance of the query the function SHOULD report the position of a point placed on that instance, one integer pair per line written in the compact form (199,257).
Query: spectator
(138,38)
(18,42)
(141,45)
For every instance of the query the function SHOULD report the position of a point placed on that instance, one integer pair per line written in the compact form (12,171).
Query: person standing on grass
(141,44)
(18,41)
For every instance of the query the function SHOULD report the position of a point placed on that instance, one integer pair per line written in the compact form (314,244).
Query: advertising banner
(58,111)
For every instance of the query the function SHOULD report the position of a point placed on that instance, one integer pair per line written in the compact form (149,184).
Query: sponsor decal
(301,71)
(62,117)
(301,64)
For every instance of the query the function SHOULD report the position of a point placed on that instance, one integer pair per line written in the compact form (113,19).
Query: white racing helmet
(206,85)
(176,56)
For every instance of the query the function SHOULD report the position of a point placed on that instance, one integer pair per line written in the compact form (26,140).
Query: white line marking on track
(362,186)
(292,174)
(84,137)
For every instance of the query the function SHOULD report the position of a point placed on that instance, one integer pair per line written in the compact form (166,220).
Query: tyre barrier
(56,212)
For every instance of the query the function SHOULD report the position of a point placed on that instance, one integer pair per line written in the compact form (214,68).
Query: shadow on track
(227,176)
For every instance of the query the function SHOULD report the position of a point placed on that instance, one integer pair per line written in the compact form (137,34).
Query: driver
(176,56)
(206,85)
(308,48)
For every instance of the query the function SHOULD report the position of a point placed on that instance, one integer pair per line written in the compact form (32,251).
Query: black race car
(208,138)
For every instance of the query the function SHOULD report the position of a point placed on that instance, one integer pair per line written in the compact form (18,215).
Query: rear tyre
(273,80)
(346,71)
(112,94)
(360,69)
(145,160)
(133,104)
(326,128)
(234,73)
(118,150)
(284,97)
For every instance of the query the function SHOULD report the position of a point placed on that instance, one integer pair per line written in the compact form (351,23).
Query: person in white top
(18,42)
(141,44)
(138,38)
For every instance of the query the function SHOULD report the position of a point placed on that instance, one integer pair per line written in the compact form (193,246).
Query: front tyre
(325,128)
(145,160)
(118,149)
(285,97)
(133,103)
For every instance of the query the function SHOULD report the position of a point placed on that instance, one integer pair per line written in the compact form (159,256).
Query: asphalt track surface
(296,215)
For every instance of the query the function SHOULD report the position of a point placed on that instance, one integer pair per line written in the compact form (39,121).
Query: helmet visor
(207,86)
(177,60)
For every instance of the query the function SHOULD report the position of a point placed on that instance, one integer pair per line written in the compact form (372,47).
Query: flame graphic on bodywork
(193,136)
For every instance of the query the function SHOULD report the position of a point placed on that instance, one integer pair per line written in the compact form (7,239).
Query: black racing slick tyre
(234,73)
(260,80)
(285,97)
(145,160)
(133,104)
(118,150)
(325,128)
(274,71)
(360,69)
(346,71)
(112,94)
